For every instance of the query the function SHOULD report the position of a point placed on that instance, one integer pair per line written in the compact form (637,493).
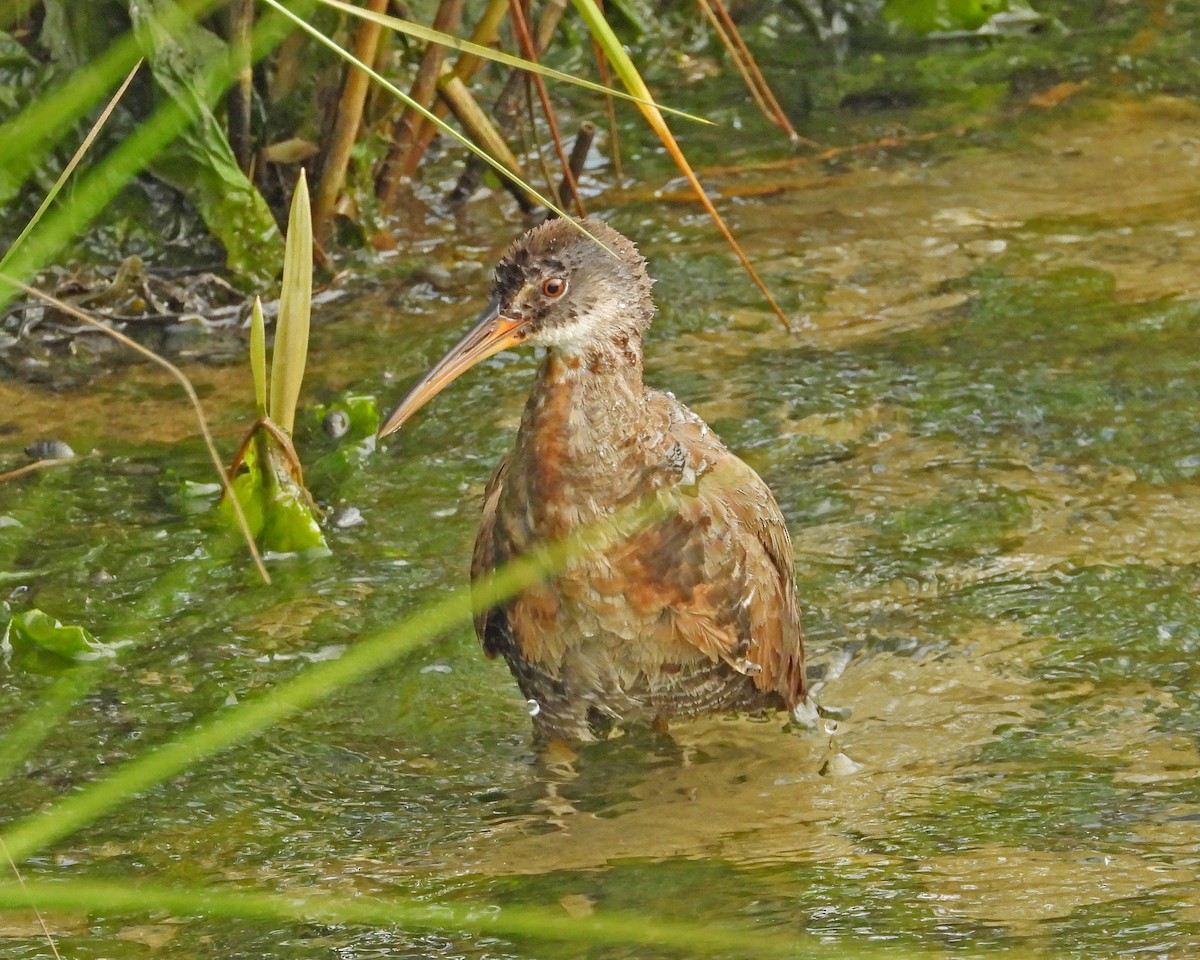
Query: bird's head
(557,288)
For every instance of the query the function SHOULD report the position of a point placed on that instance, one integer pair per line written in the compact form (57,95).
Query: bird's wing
(716,574)
(491,625)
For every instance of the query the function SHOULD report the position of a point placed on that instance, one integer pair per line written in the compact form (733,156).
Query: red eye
(553,288)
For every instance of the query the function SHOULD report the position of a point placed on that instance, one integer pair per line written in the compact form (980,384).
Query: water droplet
(533,707)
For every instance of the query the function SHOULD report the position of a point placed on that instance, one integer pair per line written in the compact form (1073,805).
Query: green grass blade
(258,356)
(295,307)
(540,923)
(430,35)
(252,716)
(71,164)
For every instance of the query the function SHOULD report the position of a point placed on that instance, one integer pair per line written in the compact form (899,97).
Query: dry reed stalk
(506,110)
(610,108)
(483,132)
(530,52)
(407,129)
(579,151)
(239,100)
(346,126)
(465,66)
(774,111)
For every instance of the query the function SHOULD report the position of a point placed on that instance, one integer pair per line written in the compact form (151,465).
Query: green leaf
(258,356)
(355,438)
(200,163)
(935,16)
(278,510)
(295,305)
(37,641)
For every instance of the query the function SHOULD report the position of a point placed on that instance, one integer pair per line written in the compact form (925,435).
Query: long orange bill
(491,334)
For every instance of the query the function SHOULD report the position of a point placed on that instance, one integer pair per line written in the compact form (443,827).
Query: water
(984,438)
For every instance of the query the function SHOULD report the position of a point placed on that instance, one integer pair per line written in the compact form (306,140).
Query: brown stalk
(465,66)
(407,130)
(481,130)
(579,151)
(34,467)
(530,52)
(507,107)
(610,108)
(775,112)
(240,19)
(735,54)
(183,381)
(349,119)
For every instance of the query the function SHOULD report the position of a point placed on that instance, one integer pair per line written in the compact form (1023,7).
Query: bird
(693,611)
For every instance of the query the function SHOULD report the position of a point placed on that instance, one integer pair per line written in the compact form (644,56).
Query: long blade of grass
(182,380)
(290,355)
(539,923)
(428,115)
(633,81)
(72,163)
(499,56)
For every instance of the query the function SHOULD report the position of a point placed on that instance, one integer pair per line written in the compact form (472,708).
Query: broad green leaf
(200,162)
(295,306)
(38,642)
(277,508)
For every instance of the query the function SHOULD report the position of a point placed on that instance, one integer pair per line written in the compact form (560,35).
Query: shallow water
(983,434)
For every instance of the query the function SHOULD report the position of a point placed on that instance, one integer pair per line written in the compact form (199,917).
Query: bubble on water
(533,707)
(831,726)
(336,424)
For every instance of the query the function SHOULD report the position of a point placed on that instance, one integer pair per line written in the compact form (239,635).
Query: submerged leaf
(933,16)
(352,421)
(38,641)
(278,509)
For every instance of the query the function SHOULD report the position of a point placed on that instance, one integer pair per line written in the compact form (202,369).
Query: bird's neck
(578,442)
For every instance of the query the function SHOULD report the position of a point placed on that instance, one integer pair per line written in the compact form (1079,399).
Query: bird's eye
(553,288)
